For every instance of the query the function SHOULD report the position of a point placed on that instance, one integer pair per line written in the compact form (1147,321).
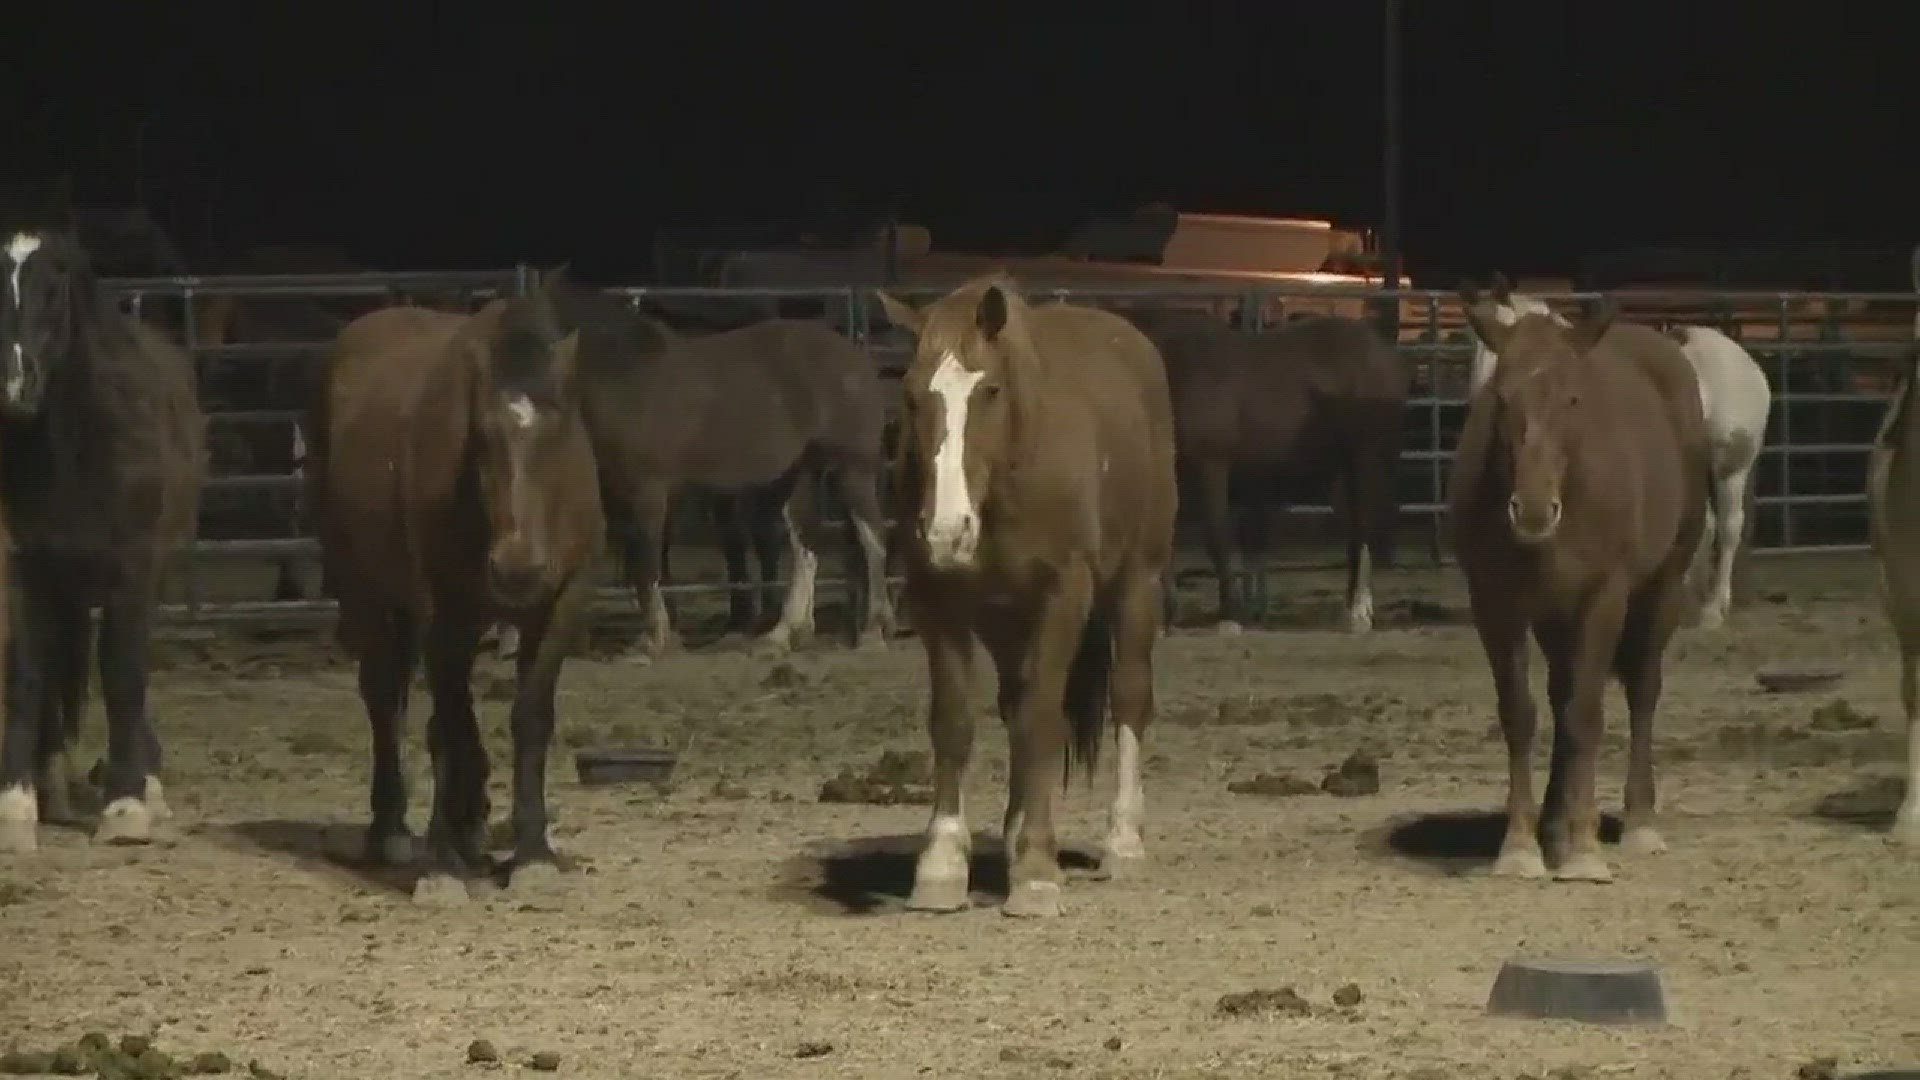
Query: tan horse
(1578,501)
(1036,480)
(1893,497)
(453,486)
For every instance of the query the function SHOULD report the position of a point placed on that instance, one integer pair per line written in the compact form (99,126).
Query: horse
(1577,502)
(101,466)
(1036,495)
(1893,501)
(747,413)
(1736,399)
(453,486)
(1317,399)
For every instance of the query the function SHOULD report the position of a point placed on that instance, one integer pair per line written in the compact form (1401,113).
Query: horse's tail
(1088,684)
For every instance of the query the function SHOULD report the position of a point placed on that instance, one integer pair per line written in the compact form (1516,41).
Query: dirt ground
(732,924)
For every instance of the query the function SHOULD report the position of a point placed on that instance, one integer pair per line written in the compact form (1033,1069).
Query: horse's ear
(556,281)
(899,312)
(991,317)
(1501,288)
(1596,318)
(1483,318)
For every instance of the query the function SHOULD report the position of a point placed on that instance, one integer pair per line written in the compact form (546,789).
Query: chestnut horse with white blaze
(1036,490)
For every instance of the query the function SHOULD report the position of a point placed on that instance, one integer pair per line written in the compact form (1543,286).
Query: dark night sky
(1533,132)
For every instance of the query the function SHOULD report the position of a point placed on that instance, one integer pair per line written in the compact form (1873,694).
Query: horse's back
(1104,365)
(1734,392)
(1653,436)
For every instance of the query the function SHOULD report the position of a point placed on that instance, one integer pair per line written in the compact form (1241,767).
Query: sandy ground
(731,924)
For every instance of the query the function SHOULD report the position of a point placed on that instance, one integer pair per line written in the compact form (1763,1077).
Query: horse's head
(956,431)
(527,426)
(1536,401)
(48,282)
(1506,306)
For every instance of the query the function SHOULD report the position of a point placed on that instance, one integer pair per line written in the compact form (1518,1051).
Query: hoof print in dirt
(895,779)
(482,1052)
(1261,1003)
(1277,785)
(1347,996)
(1358,775)
(1840,715)
(544,1061)
(813,1049)
(1825,1068)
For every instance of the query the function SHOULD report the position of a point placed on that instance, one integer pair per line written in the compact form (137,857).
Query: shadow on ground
(1455,841)
(334,848)
(874,875)
(1869,804)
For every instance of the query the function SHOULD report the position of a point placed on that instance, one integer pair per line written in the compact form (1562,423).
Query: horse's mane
(108,422)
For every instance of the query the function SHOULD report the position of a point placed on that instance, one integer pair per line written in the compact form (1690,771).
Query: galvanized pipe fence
(1809,484)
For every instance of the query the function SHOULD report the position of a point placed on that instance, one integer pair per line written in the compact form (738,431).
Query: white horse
(1736,398)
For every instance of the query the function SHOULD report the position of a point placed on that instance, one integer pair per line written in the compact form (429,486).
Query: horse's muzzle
(952,545)
(1530,526)
(514,581)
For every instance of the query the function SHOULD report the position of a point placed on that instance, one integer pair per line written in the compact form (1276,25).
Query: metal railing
(1809,483)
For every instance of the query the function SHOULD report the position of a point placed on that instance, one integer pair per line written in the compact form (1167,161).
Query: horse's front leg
(1040,724)
(940,877)
(457,830)
(20,736)
(1574,807)
(549,636)
(795,627)
(126,629)
(644,559)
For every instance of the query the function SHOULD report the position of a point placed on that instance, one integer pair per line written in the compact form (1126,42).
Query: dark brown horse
(102,442)
(1036,482)
(746,413)
(1316,400)
(453,485)
(1578,499)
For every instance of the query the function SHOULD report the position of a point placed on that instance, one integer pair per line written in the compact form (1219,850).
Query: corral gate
(1830,358)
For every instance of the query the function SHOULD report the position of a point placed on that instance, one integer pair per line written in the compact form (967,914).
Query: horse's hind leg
(796,612)
(875,619)
(1906,821)
(1217,521)
(1730,523)
(386,673)
(743,608)
(1136,625)
(125,634)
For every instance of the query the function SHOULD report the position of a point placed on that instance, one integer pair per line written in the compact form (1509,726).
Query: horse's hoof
(1227,626)
(1520,862)
(773,645)
(125,821)
(1033,900)
(1585,866)
(440,890)
(1642,840)
(1123,847)
(391,849)
(938,894)
(1711,619)
(873,642)
(156,799)
(1906,827)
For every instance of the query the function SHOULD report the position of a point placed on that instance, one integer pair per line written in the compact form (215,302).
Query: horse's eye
(989,391)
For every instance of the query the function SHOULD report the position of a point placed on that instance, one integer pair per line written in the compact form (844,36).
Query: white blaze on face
(18,249)
(520,407)
(954,526)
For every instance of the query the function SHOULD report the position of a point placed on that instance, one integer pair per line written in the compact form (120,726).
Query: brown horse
(453,485)
(747,413)
(102,438)
(1317,399)
(1036,476)
(1578,500)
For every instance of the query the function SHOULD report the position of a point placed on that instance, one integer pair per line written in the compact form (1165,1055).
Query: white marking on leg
(1360,613)
(796,613)
(948,844)
(19,817)
(156,799)
(1129,798)
(954,528)
(1732,524)
(879,603)
(19,249)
